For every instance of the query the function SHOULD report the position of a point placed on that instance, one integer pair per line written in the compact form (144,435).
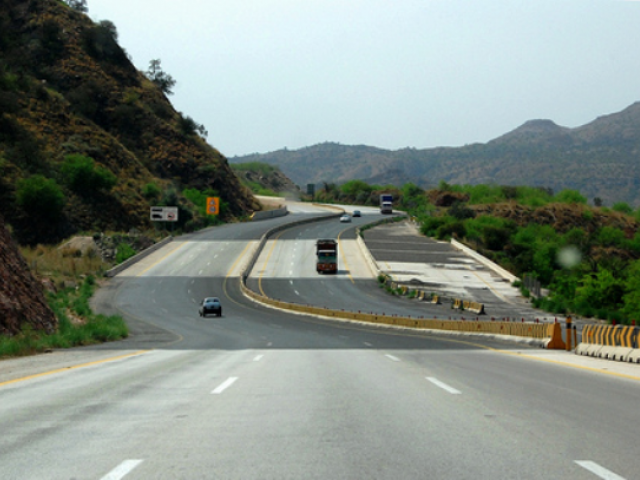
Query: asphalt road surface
(264,394)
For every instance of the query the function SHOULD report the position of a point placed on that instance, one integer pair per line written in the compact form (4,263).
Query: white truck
(386,203)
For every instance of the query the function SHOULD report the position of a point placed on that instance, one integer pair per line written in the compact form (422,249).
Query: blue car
(210,305)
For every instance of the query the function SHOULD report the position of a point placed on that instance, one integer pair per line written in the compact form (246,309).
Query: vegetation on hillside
(87,142)
(588,257)
(263,179)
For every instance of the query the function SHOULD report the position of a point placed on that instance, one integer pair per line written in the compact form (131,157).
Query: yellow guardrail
(549,332)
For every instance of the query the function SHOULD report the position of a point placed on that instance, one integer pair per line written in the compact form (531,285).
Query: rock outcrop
(22,301)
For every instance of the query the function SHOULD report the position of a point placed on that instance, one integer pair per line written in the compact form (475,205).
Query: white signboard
(164,214)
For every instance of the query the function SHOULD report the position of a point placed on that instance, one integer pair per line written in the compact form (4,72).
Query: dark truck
(327,253)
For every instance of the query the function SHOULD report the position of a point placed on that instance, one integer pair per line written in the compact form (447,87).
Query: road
(263,394)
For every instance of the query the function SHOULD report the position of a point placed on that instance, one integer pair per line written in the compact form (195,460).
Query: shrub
(150,191)
(83,177)
(570,196)
(460,211)
(40,196)
(124,251)
(188,126)
(101,42)
(622,207)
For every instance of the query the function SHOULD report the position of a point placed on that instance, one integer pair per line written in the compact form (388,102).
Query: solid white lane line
(444,386)
(122,470)
(258,358)
(222,387)
(395,359)
(596,469)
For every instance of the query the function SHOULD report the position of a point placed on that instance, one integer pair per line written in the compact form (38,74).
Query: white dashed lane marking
(223,386)
(444,386)
(598,470)
(122,470)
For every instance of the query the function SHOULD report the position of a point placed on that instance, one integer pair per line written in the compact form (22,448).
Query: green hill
(87,142)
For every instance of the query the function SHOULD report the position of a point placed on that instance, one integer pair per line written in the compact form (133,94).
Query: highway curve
(264,394)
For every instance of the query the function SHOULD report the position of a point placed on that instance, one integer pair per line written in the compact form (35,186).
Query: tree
(601,290)
(78,5)
(631,298)
(163,80)
(188,126)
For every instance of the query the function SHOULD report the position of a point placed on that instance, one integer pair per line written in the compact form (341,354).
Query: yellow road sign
(213,205)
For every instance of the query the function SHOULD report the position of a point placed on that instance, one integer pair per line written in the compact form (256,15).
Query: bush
(571,197)
(101,42)
(151,191)
(124,251)
(41,197)
(83,177)
(622,207)
(460,211)
(188,126)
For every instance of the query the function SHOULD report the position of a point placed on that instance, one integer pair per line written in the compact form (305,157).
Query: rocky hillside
(22,301)
(263,178)
(72,104)
(600,159)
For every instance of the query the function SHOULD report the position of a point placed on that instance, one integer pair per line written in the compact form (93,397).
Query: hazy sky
(262,75)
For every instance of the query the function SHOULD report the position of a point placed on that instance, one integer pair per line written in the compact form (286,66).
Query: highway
(265,394)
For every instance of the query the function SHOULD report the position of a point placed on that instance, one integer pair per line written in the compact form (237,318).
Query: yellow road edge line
(224,284)
(239,258)
(161,259)
(266,263)
(374,328)
(559,362)
(73,367)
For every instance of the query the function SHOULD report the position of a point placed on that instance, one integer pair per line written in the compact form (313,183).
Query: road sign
(213,205)
(164,214)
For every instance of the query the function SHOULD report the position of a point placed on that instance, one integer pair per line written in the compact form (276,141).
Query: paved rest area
(437,267)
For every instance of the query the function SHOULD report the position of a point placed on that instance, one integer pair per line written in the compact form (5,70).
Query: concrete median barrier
(610,342)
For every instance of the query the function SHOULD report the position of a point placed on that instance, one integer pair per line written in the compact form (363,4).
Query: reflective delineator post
(569,334)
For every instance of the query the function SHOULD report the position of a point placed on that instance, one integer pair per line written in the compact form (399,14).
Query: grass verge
(77,325)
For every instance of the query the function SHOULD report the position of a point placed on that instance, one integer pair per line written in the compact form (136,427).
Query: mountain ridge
(600,159)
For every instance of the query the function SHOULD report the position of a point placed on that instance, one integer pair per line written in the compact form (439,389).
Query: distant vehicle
(327,253)
(356,213)
(386,203)
(210,305)
(345,218)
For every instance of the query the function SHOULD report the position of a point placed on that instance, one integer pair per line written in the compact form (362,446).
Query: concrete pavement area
(437,267)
